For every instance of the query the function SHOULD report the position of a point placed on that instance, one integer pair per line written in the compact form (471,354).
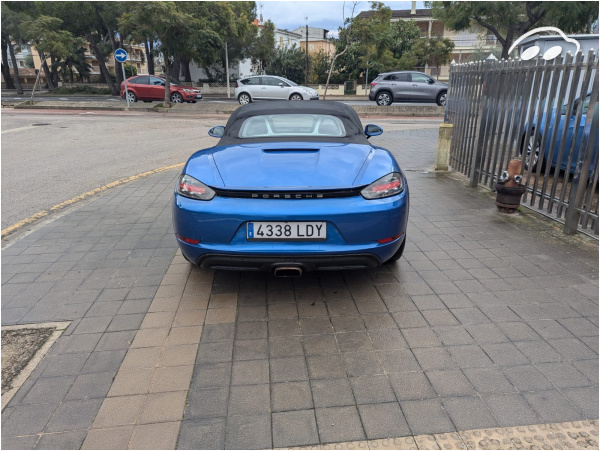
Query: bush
(81,90)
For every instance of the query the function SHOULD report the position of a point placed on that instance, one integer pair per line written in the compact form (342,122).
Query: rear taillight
(373,84)
(236,85)
(389,240)
(386,186)
(188,240)
(194,189)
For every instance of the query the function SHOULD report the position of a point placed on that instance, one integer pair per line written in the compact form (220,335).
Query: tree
(49,39)
(509,20)
(175,30)
(29,61)
(263,47)
(11,32)
(435,51)
(288,62)
(345,41)
(75,62)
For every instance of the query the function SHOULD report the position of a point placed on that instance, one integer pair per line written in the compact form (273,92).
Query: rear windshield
(274,125)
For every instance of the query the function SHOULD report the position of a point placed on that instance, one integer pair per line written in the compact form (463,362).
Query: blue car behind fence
(292,187)
(565,119)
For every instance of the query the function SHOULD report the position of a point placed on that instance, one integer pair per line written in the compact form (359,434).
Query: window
(254,81)
(402,77)
(270,81)
(420,78)
(317,125)
(155,81)
(142,80)
(390,77)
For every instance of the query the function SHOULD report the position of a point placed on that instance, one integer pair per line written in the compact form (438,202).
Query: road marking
(13,228)
(27,127)
(62,98)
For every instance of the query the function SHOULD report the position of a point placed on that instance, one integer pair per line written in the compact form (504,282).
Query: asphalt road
(52,156)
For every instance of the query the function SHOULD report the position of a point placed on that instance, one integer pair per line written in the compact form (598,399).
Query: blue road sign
(120,55)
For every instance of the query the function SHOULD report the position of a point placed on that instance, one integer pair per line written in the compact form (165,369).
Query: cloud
(321,14)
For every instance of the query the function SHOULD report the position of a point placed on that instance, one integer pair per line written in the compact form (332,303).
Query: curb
(199,108)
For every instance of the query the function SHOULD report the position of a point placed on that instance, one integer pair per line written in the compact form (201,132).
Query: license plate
(286,231)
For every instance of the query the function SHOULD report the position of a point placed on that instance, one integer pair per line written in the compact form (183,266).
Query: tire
(441,98)
(176,98)
(244,99)
(384,99)
(534,141)
(132,97)
(296,97)
(398,253)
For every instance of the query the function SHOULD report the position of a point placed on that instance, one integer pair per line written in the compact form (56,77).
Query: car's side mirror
(575,105)
(281,84)
(373,130)
(217,132)
(430,81)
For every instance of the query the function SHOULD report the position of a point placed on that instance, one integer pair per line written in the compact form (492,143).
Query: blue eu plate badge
(250,230)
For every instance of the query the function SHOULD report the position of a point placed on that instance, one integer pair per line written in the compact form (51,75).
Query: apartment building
(466,42)
(317,39)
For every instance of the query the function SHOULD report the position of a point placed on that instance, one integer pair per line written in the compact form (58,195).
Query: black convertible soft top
(354,129)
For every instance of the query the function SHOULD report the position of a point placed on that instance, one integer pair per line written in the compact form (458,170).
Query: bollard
(443,148)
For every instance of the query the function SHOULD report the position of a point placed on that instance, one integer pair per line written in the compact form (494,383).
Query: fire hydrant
(509,189)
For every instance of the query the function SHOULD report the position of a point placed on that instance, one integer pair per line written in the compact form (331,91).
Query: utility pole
(306,65)
(227,71)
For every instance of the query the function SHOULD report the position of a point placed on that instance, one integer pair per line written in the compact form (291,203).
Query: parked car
(271,87)
(291,187)
(407,86)
(149,87)
(565,119)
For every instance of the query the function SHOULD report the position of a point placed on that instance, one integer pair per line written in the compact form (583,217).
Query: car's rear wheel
(383,99)
(244,99)
(398,253)
(441,98)
(176,98)
(131,96)
(295,97)
(531,148)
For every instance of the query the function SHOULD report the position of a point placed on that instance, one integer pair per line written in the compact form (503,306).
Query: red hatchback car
(149,87)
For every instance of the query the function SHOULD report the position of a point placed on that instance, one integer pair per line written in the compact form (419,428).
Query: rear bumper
(371,95)
(244,262)
(353,227)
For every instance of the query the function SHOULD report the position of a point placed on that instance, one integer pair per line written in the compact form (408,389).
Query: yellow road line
(13,228)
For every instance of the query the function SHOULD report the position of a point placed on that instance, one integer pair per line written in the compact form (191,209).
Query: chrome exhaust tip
(287,271)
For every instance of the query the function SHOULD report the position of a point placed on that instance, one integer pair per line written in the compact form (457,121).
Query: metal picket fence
(544,112)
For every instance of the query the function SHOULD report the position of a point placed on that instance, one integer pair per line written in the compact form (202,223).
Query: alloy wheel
(244,99)
(383,99)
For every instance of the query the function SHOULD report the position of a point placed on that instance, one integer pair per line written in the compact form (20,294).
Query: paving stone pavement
(487,322)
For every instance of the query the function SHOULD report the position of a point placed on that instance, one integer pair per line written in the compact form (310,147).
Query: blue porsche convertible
(291,187)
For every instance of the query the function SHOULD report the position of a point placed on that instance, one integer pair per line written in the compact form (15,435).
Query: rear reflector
(188,240)
(389,240)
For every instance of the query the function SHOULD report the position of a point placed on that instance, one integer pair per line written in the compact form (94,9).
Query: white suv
(270,87)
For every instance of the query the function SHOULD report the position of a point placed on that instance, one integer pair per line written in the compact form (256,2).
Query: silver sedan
(271,87)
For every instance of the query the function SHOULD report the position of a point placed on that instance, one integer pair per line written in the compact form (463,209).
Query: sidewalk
(488,322)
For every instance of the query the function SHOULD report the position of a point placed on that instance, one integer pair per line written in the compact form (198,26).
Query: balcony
(473,40)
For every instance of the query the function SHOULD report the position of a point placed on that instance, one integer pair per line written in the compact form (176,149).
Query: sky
(321,14)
